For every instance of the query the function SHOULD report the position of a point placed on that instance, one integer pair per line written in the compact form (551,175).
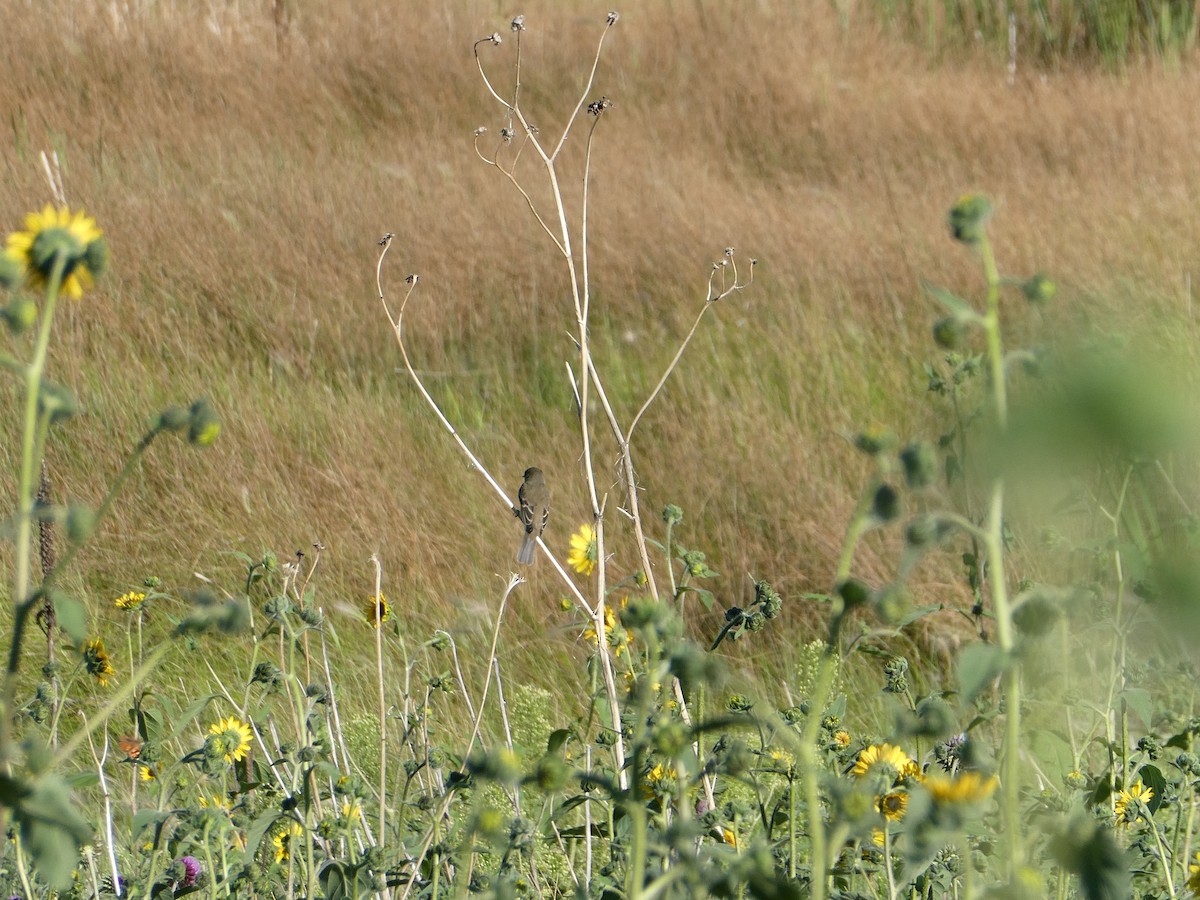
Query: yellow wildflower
(377,609)
(235,735)
(131,601)
(95,659)
(58,233)
(968,787)
(893,805)
(584,552)
(284,839)
(1129,800)
(890,757)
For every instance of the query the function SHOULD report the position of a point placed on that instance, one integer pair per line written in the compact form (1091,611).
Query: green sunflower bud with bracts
(204,425)
(969,217)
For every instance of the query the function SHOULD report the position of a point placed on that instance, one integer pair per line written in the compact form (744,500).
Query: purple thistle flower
(191,870)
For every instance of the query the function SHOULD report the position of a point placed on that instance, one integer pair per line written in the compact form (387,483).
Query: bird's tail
(525,556)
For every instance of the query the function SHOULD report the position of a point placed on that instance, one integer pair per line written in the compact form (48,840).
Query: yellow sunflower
(886,755)
(130,601)
(969,787)
(893,805)
(377,609)
(235,736)
(1129,800)
(284,839)
(617,637)
(55,233)
(95,659)
(584,553)
(1193,882)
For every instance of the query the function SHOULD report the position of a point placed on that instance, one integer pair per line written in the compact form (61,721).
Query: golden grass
(243,191)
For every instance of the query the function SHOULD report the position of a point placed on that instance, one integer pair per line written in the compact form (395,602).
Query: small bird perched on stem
(534,498)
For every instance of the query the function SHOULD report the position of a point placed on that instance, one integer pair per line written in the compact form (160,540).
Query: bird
(534,512)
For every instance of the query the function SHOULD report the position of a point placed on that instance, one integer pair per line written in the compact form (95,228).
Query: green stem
(25,493)
(994,542)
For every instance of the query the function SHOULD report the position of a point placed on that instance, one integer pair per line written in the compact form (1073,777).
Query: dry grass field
(243,184)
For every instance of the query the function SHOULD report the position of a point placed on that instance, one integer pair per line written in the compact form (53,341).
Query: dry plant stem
(109,838)
(397,323)
(383,746)
(448,799)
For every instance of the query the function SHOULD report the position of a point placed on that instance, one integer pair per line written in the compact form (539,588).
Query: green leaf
(147,818)
(72,618)
(1152,777)
(1140,703)
(705,597)
(959,307)
(557,739)
(978,665)
(52,830)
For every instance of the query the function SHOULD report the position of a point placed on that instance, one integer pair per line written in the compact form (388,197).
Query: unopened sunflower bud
(920,465)
(550,773)
(1039,289)
(969,217)
(95,257)
(21,314)
(204,425)
(854,593)
(174,418)
(886,505)
(875,440)
(950,333)
(10,272)
(672,514)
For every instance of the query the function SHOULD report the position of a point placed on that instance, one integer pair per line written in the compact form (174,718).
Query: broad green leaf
(978,665)
(72,618)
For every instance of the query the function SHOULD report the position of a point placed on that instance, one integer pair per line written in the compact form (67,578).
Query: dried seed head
(729,251)
(531,128)
(518,23)
(412,279)
(495,38)
(598,106)
(506,134)
(613,16)
(384,240)
(480,131)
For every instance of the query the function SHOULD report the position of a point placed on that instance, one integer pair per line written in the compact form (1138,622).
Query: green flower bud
(875,440)
(21,314)
(11,273)
(920,465)
(1039,289)
(969,217)
(886,505)
(950,333)
(672,514)
(1036,614)
(739,703)
(95,257)
(854,593)
(204,426)
(174,418)
(550,773)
